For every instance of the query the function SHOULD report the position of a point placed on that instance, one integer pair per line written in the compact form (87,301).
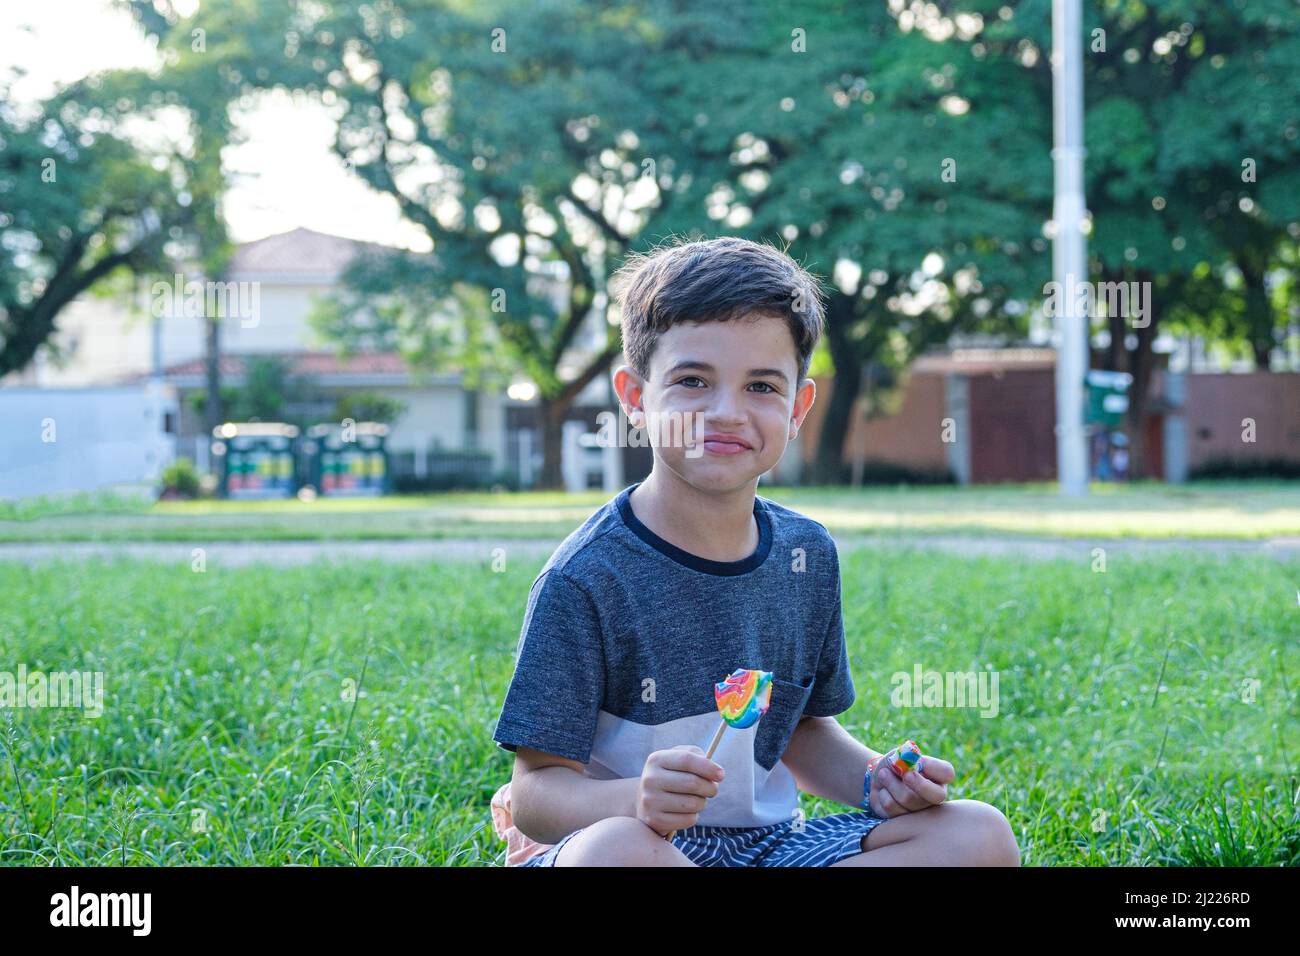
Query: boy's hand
(674,786)
(918,789)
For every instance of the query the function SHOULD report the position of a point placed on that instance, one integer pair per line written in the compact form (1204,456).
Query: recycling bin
(1107,397)
(256,459)
(348,460)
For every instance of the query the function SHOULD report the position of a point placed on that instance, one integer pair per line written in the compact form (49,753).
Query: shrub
(1254,468)
(180,479)
(877,472)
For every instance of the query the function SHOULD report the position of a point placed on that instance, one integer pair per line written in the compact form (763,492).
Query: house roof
(303,363)
(299,253)
(327,368)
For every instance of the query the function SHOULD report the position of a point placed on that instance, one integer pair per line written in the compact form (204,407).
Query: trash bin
(347,460)
(1107,403)
(1107,396)
(255,459)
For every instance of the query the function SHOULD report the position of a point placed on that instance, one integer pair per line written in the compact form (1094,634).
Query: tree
(195,83)
(903,150)
(531,143)
(909,172)
(270,393)
(80,200)
(1178,96)
(536,145)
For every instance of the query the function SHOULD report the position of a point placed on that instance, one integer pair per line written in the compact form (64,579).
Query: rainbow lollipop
(742,697)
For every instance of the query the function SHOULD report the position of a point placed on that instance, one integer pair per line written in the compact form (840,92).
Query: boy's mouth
(726,444)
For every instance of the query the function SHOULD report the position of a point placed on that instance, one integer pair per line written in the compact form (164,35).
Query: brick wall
(1217,403)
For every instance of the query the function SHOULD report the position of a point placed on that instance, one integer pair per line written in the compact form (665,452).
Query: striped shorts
(815,841)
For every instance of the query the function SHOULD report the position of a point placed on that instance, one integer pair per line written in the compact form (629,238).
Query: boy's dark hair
(714,280)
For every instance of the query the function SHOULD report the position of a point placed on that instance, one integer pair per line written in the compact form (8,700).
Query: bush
(1255,468)
(368,407)
(877,472)
(505,481)
(180,480)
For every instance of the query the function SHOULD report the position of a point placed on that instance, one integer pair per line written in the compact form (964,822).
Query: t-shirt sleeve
(833,691)
(558,684)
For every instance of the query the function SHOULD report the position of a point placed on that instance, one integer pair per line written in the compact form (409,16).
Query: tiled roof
(315,364)
(299,252)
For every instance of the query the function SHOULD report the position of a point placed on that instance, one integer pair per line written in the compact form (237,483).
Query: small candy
(905,757)
(743,697)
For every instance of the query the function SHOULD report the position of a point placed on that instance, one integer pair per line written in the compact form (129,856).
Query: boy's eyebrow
(697,365)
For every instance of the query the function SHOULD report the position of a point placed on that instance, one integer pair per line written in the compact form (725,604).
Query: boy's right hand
(674,786)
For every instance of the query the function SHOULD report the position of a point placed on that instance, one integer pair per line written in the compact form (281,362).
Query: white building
(149,350)
(158,335)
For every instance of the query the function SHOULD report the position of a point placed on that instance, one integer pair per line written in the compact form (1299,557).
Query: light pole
(1069,249)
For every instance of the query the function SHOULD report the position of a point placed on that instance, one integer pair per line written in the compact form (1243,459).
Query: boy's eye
(691,381)
(763,386)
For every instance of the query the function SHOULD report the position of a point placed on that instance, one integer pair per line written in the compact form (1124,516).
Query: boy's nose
(726,411)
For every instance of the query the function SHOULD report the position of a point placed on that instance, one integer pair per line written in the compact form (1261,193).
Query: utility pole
(1069,248)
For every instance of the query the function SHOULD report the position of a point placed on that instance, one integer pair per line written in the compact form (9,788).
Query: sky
(284,175)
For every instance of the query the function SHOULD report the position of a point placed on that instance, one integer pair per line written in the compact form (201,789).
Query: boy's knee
(622,828)
(992,841)
(615,841)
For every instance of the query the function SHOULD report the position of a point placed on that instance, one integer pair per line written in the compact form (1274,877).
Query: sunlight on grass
(1228,510)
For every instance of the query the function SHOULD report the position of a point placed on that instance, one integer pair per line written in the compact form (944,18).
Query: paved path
(289,553)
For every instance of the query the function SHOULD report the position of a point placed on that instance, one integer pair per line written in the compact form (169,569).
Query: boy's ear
(628,386)
(803,403)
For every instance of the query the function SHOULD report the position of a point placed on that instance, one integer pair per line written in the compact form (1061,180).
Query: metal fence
(441,469)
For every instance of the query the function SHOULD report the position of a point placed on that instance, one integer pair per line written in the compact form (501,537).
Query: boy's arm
(827,761)
(552,796)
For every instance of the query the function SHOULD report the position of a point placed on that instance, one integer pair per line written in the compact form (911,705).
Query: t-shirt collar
(692,561)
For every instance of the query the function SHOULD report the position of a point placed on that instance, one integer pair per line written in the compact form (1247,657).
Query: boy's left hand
(892,795)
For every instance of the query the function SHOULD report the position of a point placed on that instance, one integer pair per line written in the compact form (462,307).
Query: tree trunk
(1259,319)
(1140,362)
(554,411)
(828,463)
(27,329)
(212,410)
(1116,350)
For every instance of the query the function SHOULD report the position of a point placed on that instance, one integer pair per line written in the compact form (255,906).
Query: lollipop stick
(712,747)
(716,737)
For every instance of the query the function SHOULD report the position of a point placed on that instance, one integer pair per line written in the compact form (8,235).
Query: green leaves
(79,200)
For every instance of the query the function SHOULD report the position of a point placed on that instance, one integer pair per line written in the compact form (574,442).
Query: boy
(687,576)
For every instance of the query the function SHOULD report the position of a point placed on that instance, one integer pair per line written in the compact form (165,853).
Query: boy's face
(723,397)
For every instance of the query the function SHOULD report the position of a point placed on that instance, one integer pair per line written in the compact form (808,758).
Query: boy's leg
(952,833)
(620,841)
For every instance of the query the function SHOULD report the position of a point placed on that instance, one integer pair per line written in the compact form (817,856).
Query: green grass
(79,503)
(1228,510)
(224,695)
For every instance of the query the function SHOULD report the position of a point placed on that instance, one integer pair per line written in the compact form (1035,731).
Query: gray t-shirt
(625,636)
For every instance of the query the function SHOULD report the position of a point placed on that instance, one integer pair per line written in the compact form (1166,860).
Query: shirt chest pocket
(778,724)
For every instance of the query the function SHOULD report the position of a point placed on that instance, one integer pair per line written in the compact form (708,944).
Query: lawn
(1126,732)
(1236,510)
